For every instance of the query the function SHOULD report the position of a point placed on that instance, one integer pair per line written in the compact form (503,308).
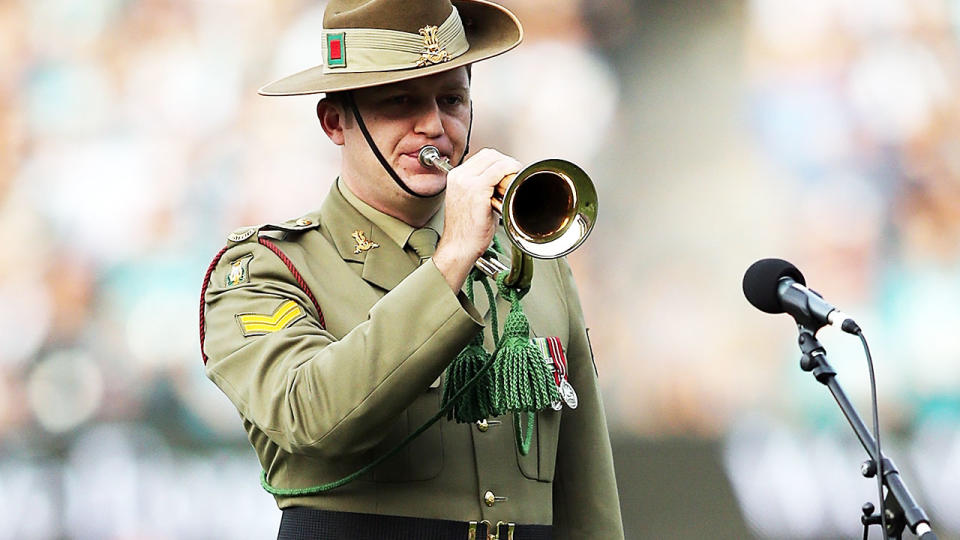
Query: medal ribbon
(553,355)
(559,359)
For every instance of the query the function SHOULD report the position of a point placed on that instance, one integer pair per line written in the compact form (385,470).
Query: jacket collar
(385,265)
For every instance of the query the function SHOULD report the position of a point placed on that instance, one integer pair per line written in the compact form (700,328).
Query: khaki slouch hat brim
(382,33)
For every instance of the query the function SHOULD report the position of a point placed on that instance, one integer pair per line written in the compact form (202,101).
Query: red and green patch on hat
(336,51)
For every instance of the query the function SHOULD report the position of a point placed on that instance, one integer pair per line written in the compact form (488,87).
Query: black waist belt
(299,523)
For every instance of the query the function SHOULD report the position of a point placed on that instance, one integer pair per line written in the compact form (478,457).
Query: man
(331,333)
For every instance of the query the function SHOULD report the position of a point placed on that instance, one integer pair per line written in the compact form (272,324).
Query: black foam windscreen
(761,280)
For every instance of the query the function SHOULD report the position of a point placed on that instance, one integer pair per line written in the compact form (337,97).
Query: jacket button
(482,425)
(489,498)
(303,222)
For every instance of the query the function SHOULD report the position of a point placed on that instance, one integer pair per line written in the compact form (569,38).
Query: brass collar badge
(362,243)
(432,53)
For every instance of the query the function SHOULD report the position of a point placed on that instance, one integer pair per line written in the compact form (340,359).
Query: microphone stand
(901,508)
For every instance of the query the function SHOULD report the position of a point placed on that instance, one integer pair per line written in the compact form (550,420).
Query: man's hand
(469,218)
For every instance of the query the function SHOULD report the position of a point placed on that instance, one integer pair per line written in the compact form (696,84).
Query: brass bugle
(548,210)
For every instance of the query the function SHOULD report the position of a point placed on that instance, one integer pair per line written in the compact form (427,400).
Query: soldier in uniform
(331,332)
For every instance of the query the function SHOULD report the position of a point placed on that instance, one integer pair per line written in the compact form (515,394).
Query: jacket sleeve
(585,499)
(307,391)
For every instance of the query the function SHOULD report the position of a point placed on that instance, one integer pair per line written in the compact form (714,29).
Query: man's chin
(426,185)
(429,194)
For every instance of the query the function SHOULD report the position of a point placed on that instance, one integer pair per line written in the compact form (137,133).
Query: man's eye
(399,100)
(453,100)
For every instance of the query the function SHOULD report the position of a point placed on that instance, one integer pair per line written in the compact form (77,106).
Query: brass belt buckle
(495,534)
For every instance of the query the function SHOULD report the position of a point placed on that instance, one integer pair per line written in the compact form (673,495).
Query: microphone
(776,286)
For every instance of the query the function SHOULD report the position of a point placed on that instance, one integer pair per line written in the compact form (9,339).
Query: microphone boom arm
(906,510)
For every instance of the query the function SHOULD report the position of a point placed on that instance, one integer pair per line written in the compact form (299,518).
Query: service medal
(569,394)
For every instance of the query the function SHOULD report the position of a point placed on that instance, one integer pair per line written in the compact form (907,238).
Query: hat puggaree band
(361,50)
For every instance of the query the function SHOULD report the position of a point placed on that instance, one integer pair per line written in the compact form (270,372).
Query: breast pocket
(422,458)
(541,460)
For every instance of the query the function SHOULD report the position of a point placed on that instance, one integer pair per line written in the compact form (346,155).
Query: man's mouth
(416,157)
(416,153)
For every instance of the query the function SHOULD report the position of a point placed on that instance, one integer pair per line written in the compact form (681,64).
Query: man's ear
(332,118)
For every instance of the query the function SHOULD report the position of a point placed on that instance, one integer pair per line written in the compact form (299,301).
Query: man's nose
(429,122)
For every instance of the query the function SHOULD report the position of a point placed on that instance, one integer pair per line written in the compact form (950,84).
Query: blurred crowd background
(827,132)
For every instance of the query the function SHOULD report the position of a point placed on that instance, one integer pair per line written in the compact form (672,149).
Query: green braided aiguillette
(513,379)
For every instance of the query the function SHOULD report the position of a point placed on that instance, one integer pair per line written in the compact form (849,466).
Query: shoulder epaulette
(290,226)
(294,225)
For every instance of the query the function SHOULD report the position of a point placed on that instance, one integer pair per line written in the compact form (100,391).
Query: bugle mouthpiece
(430,157)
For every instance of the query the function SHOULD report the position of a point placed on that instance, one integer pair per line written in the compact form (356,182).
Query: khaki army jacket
(321,395)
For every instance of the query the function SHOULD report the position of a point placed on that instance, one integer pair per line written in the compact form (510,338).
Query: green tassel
(522,382)
(473,403)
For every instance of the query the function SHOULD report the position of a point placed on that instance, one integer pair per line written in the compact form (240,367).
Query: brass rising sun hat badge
(432,53)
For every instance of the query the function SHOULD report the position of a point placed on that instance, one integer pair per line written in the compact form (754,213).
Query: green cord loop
(512,379)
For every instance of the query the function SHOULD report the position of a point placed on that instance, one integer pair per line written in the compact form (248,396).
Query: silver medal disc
(569,394)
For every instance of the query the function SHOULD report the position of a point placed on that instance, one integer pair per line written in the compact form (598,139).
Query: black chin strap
(383,162)
(466,148)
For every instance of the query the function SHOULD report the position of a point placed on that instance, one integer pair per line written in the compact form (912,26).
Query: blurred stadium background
(825,132)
